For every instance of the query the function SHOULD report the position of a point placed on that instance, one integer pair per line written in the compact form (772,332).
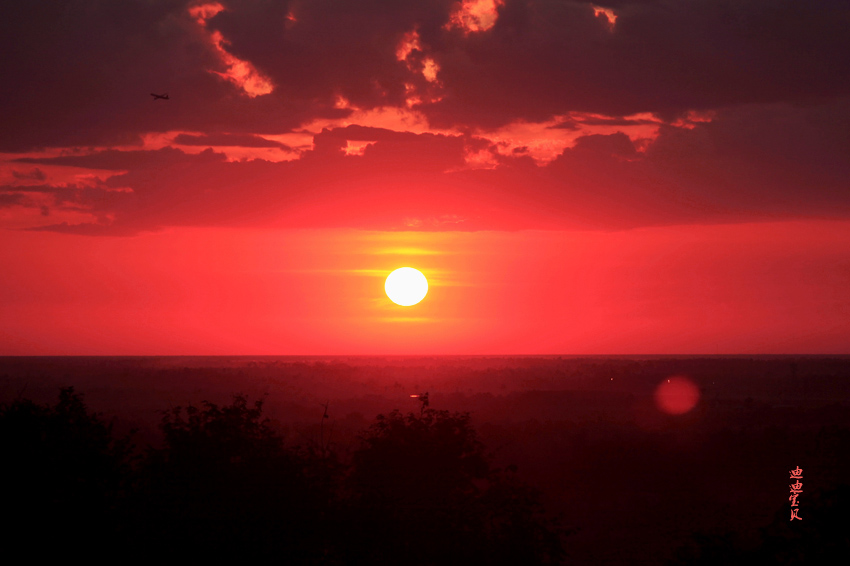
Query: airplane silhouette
(160,96)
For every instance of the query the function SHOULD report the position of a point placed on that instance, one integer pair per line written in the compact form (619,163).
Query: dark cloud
(748,164)
(35,175)
(227,140)
(88,229)
(766,160)
(12,199)
(81,72)
(396,184)
(403,151)
(116,160)
(613,121)
(544,58)
(568,124)
(356,132)
(99,201)
(333,46)
(771,73)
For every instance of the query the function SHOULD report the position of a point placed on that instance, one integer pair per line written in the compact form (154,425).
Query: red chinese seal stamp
(796,490)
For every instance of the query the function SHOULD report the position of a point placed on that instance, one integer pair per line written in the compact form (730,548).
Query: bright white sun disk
(406,286)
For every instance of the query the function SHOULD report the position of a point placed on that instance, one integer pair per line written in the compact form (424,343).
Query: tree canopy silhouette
(224,484)
(425,493)
(822,537)
(65,474)
(420,489)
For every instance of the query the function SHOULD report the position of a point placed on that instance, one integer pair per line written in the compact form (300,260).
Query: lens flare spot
(676,395)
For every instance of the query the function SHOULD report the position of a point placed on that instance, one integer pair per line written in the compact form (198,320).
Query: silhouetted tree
(224,485)
(423,492)
(821,537)
(65,477)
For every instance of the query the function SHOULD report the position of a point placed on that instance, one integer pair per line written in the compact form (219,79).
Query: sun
(406,286)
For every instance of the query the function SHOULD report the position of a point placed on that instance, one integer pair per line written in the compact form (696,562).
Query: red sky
(573,178)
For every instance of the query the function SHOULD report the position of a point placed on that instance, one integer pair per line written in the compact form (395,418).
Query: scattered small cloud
(474,15)
(32,175)
(227,140)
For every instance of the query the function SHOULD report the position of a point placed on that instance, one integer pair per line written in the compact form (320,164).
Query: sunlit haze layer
(240,177)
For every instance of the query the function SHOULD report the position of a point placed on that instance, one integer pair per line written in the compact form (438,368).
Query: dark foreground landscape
(444,460)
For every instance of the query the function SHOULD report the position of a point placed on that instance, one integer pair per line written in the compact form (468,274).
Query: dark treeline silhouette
(424,493)
(642,486)
(419,489)
(822,538)
(65,477)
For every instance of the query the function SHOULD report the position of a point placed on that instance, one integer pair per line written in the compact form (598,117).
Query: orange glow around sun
(227,290)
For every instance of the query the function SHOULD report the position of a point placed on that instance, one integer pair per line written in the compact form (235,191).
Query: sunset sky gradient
(636,176)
